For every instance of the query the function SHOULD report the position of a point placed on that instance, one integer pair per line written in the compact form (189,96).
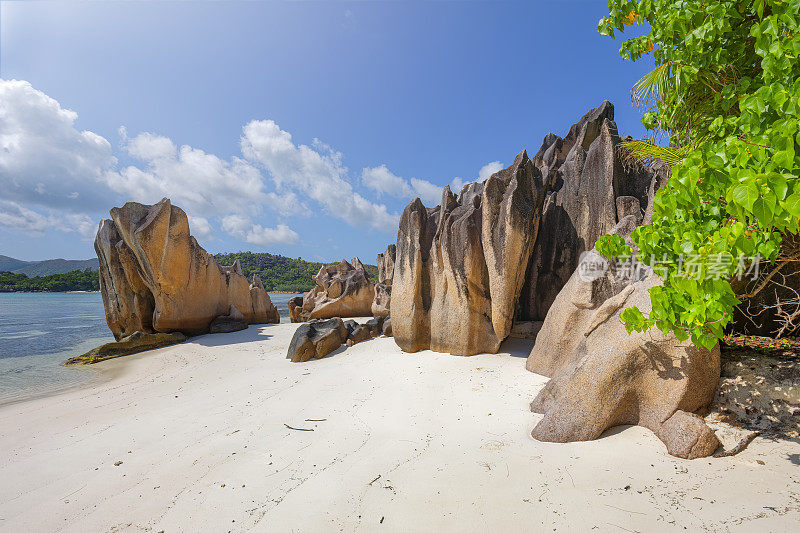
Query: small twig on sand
(739,447)
(623,528)
(374,480)
(297,429)
(316,419)
(621,509)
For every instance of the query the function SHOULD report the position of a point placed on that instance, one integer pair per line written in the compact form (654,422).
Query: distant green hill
(46,267)
(9,264)
(279,273)
(77,280)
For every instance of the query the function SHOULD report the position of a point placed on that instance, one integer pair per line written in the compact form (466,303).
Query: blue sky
(298,128)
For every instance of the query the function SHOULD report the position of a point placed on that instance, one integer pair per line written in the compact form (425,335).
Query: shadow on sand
(254,333)
(517,347)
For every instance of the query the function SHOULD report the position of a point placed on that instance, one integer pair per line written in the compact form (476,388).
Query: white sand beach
(400,442)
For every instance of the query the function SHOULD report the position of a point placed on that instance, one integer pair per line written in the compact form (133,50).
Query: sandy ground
(400,442)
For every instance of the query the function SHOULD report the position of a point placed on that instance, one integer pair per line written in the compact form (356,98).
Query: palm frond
(652,86)
(647,153)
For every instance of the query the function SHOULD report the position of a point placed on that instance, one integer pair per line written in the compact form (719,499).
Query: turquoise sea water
(39,331)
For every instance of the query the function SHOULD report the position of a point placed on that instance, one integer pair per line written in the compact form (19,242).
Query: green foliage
(77,280)
(280,273)
(613,247)
(727,91)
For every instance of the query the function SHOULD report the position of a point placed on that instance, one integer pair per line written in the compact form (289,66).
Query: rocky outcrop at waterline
(155,277)
(342,290)
(134,343)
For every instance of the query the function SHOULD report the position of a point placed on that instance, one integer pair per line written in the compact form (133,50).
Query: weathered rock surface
(342,290)
(386,330)
(295,308)
(604,377)
(316,339)
(460,266)
(155,277)
(589,191)
(360,334)
(383,289)
(133,343)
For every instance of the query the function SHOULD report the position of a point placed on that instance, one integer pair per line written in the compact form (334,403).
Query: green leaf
(779,185)
(763,212)
(745,195)
(716,162)
(792,204)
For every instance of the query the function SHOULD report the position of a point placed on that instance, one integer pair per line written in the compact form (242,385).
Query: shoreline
(194,436)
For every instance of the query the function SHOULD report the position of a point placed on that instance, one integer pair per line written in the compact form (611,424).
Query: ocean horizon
(41,330)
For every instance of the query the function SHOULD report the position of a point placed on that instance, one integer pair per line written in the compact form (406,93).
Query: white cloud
(44,159)
(429,193)
(488,169)
(456,185)
(200,228)
(242,228)
(196,181)
(17,217)
(383,181)
(81,224)
(314,171)
(149,147)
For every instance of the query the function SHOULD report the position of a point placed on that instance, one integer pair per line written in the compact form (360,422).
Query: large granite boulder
(383,289)
(590,189)
(155,277)
(316,339)
(342,290)
(604,377)
(460,266)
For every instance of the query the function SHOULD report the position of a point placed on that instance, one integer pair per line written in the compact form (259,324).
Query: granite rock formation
(589,189)
(316,339)
(604,377)
(383,288)
(133,343)
(342,290)
(368,330)
(460,266)
(155,277)
(295,305)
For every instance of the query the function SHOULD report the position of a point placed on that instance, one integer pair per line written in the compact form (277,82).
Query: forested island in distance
(277,273)
(77,280)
